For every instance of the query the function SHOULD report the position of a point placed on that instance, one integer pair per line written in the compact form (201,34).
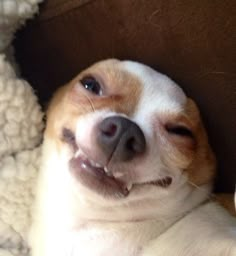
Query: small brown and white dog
(127,170)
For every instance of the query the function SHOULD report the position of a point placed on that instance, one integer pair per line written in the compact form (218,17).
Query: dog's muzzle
(119,140)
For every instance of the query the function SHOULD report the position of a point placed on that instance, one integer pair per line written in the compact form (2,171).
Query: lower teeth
(79,152)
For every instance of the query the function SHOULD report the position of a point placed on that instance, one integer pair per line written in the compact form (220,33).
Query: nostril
(130,144)
(109,130)
(135,145)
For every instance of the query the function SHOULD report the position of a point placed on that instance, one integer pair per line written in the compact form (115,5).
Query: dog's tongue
(96,179)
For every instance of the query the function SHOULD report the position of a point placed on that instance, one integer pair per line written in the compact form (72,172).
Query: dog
(127,170)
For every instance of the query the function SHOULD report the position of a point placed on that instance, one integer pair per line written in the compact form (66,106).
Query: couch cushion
(191,41)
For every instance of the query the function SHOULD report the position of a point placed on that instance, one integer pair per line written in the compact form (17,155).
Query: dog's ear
(202,169)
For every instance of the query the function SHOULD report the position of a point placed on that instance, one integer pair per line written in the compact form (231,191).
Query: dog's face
(126,133)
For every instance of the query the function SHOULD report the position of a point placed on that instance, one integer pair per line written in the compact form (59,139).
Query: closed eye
(179,130)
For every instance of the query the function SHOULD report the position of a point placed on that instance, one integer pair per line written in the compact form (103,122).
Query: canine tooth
(108,173)
(129,186)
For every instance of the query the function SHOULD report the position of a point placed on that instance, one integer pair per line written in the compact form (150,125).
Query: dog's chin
(97,178)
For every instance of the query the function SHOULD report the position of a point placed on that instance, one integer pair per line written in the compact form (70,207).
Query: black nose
(120,138)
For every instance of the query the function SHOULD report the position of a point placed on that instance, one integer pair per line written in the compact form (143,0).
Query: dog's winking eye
(179,130)
(91,84)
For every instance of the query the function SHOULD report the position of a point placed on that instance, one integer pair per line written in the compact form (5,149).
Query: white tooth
(106,170)
(129,186)
(84,166)
(108,173)
(92,162)
(118,174)
(98,165)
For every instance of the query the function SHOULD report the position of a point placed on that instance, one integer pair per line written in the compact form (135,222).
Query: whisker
(90,102)
(202,189)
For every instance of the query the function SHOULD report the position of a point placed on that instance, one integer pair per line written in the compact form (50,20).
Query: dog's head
(125,133)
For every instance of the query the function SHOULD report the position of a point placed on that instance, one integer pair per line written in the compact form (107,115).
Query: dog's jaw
(171,177)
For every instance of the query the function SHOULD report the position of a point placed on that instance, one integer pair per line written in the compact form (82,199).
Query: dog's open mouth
(98,178)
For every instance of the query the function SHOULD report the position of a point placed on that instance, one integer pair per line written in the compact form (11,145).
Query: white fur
(73,220)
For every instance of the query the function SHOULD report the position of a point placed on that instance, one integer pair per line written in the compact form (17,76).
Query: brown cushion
(191,41)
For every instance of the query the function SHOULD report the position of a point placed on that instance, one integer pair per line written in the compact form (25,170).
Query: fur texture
(158,203)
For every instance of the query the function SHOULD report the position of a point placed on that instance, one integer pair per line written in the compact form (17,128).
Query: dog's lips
(164,182)
(96,177)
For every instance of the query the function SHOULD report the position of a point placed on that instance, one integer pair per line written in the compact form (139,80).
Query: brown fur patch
(121,93)
(227,201)
(202,169)
(191,154)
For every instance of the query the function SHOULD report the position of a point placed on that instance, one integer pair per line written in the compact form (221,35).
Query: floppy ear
(202,169)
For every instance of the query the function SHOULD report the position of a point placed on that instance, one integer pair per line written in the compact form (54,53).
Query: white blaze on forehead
(158,88)
(159,95)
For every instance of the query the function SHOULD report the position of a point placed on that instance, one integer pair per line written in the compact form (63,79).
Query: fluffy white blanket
(20,137)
